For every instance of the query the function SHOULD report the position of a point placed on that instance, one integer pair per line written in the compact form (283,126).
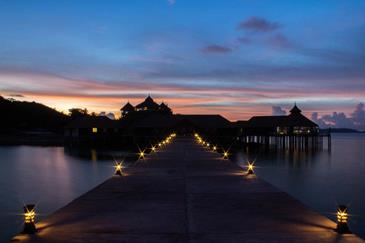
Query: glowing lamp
(250,168)
(342,220)
(118,168)
(29,219)
(159,144)
(214,148)
(225,155)
(208,144)
(141,154)
(153,149)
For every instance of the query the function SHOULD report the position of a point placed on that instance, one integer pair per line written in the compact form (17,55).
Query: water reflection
(320,179)
(48,176)
(53,176)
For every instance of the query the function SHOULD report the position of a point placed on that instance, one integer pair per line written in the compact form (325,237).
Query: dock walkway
(185,193)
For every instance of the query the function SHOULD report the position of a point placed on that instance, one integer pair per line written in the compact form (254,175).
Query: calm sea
(51,177)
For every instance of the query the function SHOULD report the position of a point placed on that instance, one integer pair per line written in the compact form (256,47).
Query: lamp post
(118,169)
(225,155)
(250,168)
(342,220)
(141,154)
(29,219)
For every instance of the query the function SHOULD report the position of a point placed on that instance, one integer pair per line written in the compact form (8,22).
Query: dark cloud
(341,120)
(16,95)
(258,24)
(216,49)
(278,111)
(280,41)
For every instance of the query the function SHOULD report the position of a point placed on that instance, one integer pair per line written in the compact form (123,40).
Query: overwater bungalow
(293,124)
(293,130)
(149,121)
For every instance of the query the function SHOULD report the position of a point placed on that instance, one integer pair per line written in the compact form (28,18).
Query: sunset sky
(237,58)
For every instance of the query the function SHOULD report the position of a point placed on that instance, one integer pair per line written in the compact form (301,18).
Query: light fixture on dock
(29,219)
(250,168)
(141,154)
(208,145)
(342,220)
(153,149)
(214,148)
(118,168)
(225,155)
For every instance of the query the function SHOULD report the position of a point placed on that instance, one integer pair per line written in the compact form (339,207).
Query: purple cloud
(278,111)
(258,24)
(341,120)
(358,116)
(216,49)
(280,41)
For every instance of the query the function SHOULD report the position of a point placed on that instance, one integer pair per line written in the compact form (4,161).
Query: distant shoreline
(340,130)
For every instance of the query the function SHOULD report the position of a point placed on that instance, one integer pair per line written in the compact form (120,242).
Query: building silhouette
(149,120)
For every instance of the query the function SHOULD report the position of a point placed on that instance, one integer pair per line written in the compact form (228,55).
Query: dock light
(29,219)
(153,149)
(208,144)
(342,220)
(141,154)
(250,168)
(159,144)
(196,135)
(118,168)
(214,148)
(225,155)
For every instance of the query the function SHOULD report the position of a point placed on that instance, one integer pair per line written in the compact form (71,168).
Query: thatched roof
(127,107)
(148,103)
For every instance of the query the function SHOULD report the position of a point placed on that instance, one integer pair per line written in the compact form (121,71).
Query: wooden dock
(185,193)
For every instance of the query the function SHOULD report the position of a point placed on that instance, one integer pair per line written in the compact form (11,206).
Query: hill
(29,116)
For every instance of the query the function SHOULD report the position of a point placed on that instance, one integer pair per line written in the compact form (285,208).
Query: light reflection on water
(47,176)
(319,179)
(53,176)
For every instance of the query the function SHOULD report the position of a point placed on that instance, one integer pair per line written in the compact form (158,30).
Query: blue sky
(238,57)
